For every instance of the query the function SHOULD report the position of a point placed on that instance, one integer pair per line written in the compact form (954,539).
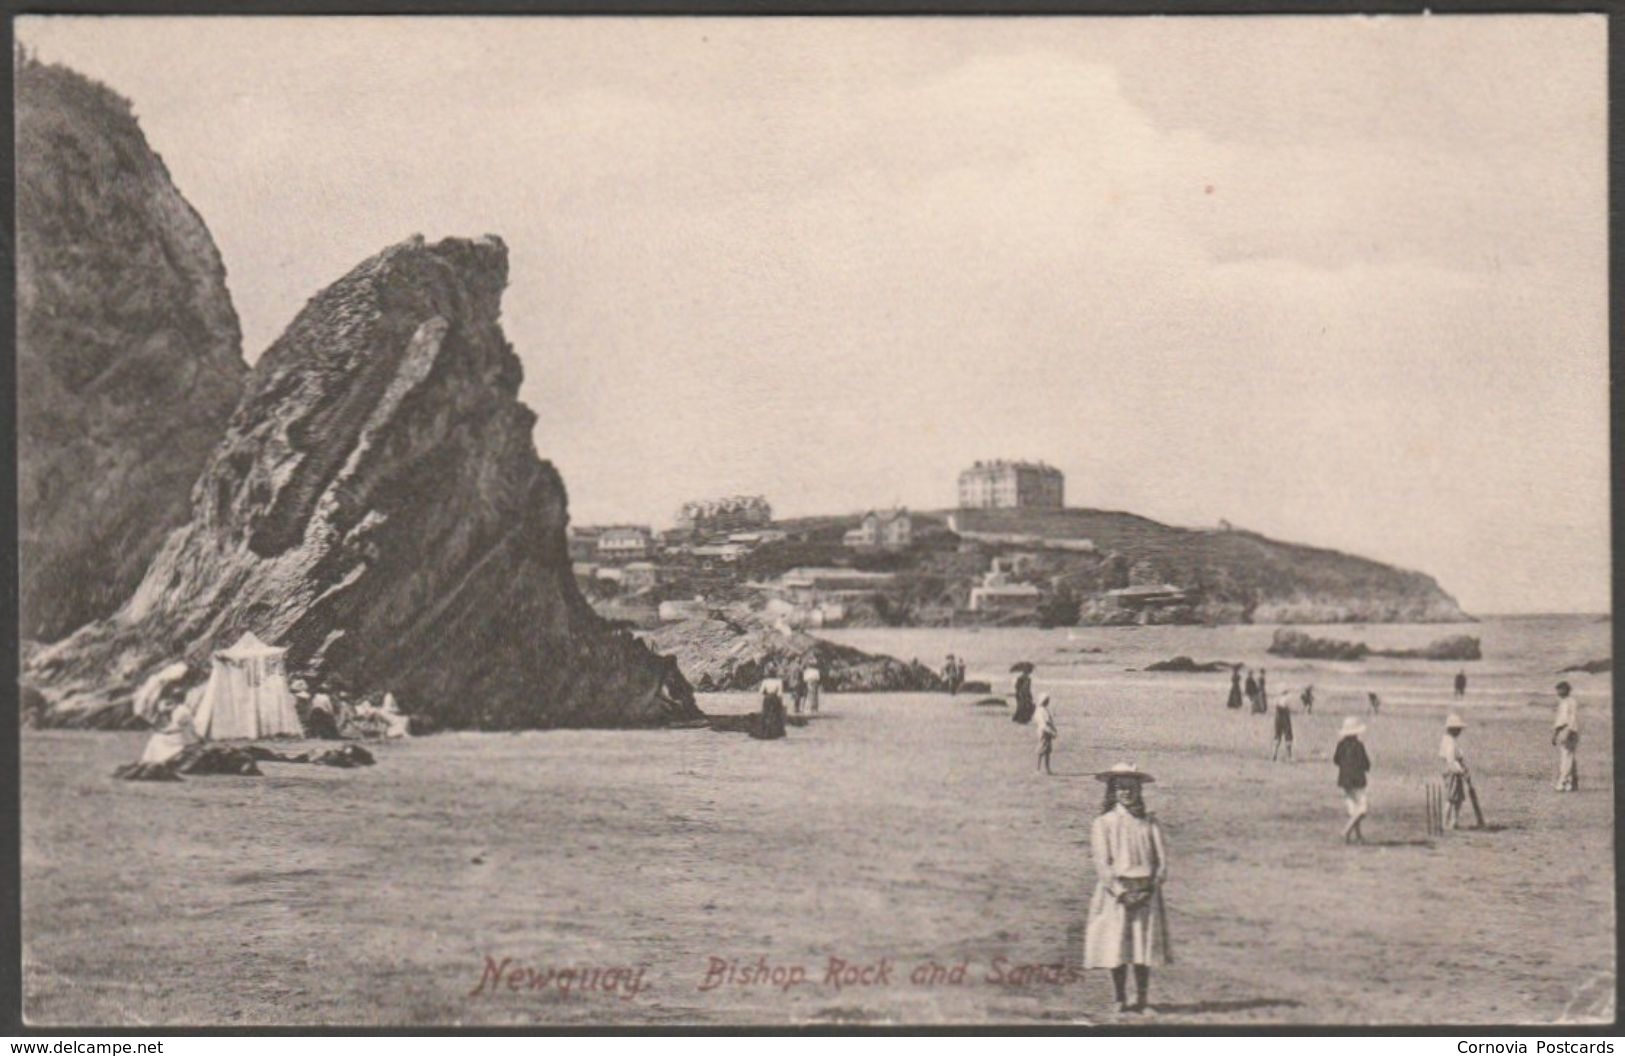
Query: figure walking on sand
(1566,735)
(1252,691)
(1263,703)
(1373,702)
(1044,719)
(1454,768)
(1234,703)
(950,675)
(1352,766)
(798,689)
(1308,699)
(772,720)
(1461,683)
(1024,698)
(811,677)
(1128,925)
(1283,725)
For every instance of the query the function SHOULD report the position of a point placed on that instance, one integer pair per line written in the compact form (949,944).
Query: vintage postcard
(661,522)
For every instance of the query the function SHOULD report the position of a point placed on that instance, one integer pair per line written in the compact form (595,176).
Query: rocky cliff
(378,507)
(129,356)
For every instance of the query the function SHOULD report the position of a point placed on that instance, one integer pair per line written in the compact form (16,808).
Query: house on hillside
(1144,597)
(625,542)
(582,543)
(998,594)
(888,529)
(640,575)
(759,537)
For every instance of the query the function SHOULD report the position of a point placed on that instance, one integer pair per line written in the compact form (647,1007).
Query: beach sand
(908,829)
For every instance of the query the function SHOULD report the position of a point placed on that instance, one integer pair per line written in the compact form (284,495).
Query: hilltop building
(1011,485)
(891,529)
(732,514)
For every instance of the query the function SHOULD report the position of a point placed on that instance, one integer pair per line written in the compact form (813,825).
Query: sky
(1340,280)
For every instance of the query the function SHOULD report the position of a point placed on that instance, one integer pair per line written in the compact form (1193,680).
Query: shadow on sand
(1244,1005)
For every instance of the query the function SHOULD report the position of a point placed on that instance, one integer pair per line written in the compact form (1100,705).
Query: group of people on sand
(1353,762)
(800,679)
(953,673)
(1255,691)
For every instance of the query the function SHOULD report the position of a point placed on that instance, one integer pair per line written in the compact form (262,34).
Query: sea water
(1522,658)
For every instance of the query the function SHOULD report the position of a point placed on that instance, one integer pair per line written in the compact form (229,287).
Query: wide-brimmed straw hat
(1125,770)
(1351,726)
(1455,722)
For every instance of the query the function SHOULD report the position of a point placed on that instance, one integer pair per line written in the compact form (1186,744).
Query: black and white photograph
(798,523)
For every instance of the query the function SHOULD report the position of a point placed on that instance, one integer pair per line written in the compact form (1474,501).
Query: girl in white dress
(1127,922)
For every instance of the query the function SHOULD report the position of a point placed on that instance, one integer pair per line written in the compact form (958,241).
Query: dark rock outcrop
(1185,665)
(377,506)
(734,649)
(1591,667)
(1300,646)
(129,355)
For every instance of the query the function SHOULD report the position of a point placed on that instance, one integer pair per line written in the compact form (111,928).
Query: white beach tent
(247,695)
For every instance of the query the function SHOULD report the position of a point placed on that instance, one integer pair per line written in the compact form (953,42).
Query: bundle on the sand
(759,726)
(976,687)
(992,702)
(733,649)
(194,759)
(351,755)
(207,759)
(1593,667)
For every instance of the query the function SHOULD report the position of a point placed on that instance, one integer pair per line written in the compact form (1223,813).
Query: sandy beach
(905,834)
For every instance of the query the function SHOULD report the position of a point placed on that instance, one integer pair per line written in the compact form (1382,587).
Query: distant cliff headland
(1051,566)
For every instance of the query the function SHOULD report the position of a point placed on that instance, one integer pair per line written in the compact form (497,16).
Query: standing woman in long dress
(1234,703)
(1127,922)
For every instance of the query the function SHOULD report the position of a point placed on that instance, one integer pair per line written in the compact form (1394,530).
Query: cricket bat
(1472,796)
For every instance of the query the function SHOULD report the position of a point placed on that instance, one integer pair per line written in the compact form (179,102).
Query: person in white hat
(1352,766)
(1044,720)
(1454,767)
(1127,922)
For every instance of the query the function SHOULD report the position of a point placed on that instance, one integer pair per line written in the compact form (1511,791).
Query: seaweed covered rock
(378,508)
(1300,646)
(129,354)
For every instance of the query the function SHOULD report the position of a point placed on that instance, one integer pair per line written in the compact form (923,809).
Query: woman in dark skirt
(1234,703)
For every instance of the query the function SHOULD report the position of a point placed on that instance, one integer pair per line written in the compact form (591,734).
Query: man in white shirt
(1566,735)
(1454,766)
(1044,720)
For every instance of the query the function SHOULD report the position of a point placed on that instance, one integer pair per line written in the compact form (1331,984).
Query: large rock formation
(378,507)
(733,649)
(129,356)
